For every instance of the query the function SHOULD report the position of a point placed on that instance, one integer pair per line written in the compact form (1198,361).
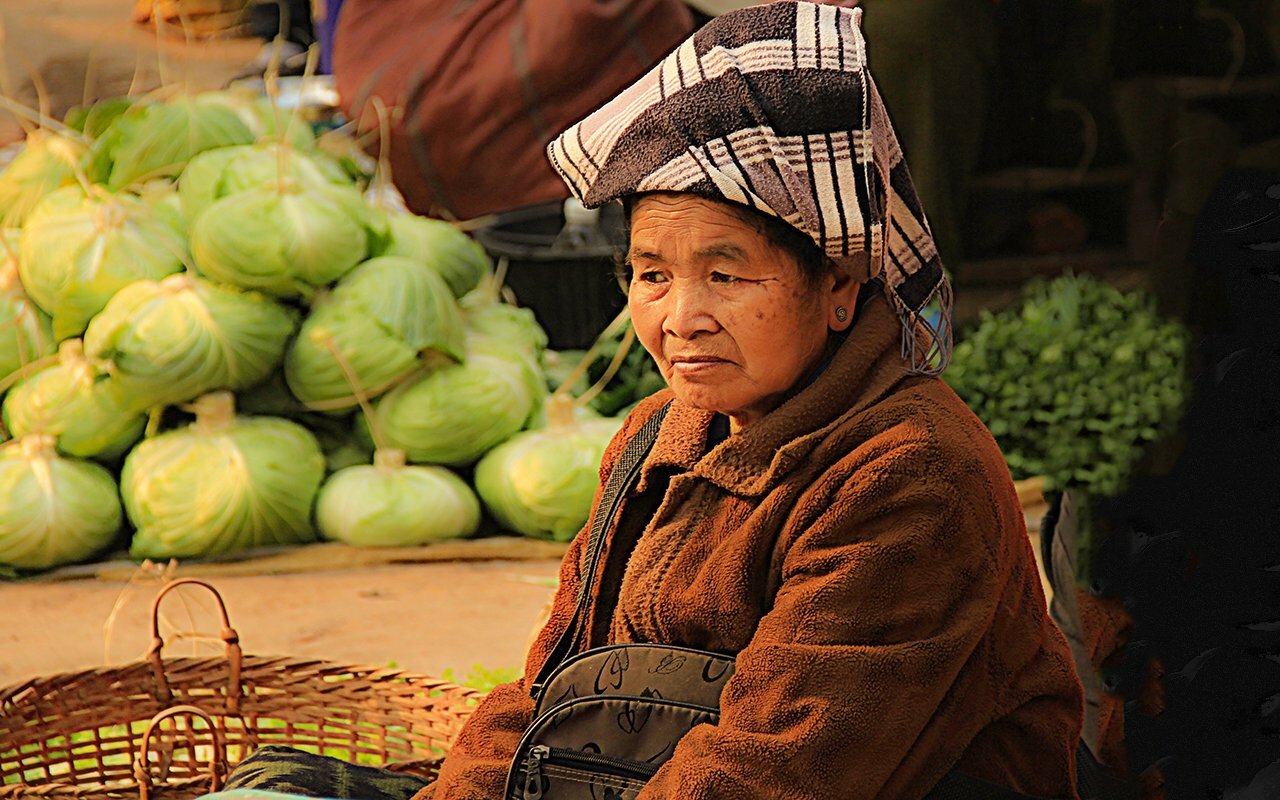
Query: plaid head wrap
(772,107)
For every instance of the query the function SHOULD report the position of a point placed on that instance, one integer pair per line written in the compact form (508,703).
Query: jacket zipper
(559,756)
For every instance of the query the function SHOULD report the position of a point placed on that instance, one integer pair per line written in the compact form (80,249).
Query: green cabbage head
(454,414)
(285,239)
(379,323)
(263,120)
(222,484)
(214,174)
(391,504)
(90,413)
(458,258)
(541,483)
(47,162)
(162,198)
(26,334)
(505,324)
(78,251)
(152,140)
(57,510)
(173,340)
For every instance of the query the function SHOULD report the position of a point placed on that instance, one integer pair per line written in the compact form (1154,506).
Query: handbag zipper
(541,754)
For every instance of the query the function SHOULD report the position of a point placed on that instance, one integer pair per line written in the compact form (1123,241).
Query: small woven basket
(172,727)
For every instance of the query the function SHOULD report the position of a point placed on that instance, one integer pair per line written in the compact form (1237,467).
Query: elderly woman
(817,502)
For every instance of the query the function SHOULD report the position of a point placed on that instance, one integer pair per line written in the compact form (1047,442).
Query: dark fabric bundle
(772,107)
(283,769)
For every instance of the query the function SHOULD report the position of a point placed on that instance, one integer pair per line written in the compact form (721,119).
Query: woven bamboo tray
(172,727)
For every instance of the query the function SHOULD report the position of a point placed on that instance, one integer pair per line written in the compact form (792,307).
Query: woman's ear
(841,300)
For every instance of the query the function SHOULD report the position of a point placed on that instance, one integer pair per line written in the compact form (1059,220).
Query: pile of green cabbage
(165,262)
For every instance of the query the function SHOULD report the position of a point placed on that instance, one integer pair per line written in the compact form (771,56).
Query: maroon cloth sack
(478,88)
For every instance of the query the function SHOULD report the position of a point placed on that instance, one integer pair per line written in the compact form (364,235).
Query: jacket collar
(864,369)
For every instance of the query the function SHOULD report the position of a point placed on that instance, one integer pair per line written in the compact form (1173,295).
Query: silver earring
(841,314)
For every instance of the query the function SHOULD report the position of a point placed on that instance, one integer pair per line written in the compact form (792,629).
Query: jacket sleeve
(891,577)
(477,764)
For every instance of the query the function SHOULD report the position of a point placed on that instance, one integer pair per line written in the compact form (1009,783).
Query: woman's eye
(651,276)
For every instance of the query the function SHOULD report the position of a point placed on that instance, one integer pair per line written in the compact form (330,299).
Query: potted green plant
(1075,383)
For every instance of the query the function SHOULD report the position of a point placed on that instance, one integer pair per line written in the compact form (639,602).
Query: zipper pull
(533,771)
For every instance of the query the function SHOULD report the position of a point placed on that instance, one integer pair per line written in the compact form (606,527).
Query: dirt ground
(421,617)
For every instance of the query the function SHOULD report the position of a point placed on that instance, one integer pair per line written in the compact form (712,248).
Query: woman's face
(729,318)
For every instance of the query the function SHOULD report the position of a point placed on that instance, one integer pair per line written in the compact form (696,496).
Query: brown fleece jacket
(862,551)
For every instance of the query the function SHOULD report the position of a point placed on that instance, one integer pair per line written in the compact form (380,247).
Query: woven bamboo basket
(170,728)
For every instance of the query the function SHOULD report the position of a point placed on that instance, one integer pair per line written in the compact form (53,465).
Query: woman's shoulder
(917,458)
(922,433)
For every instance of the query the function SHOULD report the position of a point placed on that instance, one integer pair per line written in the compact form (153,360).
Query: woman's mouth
(693,365)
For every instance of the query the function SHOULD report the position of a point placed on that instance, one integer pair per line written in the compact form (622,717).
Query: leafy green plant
(482,678)
(634,378)
(1076,382)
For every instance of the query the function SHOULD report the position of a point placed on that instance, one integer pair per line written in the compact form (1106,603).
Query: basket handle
(217,763)
(234,657)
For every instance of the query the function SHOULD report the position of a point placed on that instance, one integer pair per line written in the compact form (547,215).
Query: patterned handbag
(608,718)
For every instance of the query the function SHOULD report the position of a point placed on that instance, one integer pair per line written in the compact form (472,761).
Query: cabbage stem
(9,279)
(30,368)
(490,288)
(389,460)
(623,319)
(215,411)
(71,355)
(39,449)
(362,397)
(308,72)
(624,347)
(381,172)
(560,410)
(38,445)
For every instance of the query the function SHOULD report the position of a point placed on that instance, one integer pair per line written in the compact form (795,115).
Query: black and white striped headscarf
(772,107)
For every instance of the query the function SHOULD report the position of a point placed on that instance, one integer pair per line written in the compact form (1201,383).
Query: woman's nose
(690,310)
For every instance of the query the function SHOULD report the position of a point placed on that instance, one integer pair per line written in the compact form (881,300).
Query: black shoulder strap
(623,475)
